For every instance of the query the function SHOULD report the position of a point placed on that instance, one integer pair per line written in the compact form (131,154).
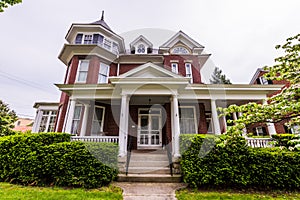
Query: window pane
(104,69)
(77,112)
(84,65)
(187,120)
(82,76)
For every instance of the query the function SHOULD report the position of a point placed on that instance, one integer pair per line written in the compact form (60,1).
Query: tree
(7,117)
(218,77)
(283,106)
(6,3)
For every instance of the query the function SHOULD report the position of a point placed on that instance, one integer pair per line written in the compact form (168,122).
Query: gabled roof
(141,38)
(150,70)
(183,38)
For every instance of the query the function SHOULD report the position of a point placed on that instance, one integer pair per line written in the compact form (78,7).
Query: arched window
(141,49)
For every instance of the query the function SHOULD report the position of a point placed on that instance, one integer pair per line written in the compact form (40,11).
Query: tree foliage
(6,3)
(218,77)
(7,117)
(282,106)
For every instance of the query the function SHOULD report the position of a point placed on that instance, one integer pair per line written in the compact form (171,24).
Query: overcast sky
(240,35)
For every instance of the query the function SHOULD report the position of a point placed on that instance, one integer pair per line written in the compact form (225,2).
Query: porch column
(225,122)
(122,126)
(37,121)
(70,115)
(215,118)
(244,129)
(234,116)
(176,126)
(271,127)
(85,120)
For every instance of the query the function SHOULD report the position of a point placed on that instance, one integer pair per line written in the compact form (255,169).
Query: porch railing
(109,139)
(259,142)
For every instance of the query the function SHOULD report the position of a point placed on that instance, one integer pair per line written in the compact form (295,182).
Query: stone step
(148,157)
(138,163)
(152,178)
(148,170)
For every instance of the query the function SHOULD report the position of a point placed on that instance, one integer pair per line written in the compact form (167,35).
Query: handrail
(259,142)
(129,149)
(169,153)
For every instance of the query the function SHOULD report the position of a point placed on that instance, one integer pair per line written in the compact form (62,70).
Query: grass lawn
(224,195)
(14,192)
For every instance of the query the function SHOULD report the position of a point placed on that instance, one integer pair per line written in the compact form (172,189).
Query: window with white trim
(141,49)
(107,44)
(88,39)
(209,123)
(103,73)
(260,131)
(174,67)
(76,120)
(48,121)
(187,119)
(263,80)
(98,121)
(188,71)
(83,67)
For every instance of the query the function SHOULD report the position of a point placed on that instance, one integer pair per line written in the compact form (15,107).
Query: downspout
(118,67)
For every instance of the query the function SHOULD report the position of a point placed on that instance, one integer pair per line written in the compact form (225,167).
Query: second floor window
(188,71)
(174,67)
(82,71)
(103,73)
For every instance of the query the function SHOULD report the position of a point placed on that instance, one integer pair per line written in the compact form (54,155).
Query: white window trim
(102,122)
(263,81)
(176,69)
(78,70)
(195,117)
(191,68)
(47,126)
(107,75)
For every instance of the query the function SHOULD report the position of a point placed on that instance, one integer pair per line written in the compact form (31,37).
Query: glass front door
(149,128)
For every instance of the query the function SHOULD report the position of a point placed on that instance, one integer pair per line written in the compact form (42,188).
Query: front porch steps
(147,166)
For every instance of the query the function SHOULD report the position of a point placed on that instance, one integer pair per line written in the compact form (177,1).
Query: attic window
(141,49)
(179,50)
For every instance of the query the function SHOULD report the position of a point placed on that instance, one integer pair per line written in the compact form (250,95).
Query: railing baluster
(259,142)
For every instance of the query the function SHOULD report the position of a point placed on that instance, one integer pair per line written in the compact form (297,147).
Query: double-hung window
(47,121)
(174,67)
(103,73)
(82,71)
(188,71)
(76,120)
(88,39)
(98,119)
(187,119)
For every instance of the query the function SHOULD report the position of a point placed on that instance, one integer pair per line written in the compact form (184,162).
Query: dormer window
(263,81)
(141,49)
(180,50)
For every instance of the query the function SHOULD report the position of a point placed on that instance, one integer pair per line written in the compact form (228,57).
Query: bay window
(103,73)
(82,71)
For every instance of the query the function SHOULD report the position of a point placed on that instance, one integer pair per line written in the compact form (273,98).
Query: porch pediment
(149,73)
(149,70)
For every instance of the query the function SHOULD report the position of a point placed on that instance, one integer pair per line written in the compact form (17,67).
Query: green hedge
(50,159)
(283,139)
(228,162)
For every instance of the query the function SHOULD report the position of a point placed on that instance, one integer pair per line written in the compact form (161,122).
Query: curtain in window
(187,120)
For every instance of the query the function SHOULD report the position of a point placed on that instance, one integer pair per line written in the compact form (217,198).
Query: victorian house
(113,92)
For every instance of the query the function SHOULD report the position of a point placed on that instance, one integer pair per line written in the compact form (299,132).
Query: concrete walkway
(149,191)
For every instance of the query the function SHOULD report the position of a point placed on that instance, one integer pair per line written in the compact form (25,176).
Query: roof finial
(102,17)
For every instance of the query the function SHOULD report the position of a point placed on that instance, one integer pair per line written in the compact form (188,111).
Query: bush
(282,140)
(231,163)
(50,159)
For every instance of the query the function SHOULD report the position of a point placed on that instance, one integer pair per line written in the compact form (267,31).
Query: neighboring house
(23,124)
(151,93)
(45,117)
(280,127)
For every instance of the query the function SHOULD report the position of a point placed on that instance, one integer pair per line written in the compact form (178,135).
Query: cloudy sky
(240,35)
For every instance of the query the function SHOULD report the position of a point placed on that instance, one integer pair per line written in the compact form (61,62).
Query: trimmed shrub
(50,159)
(283,139)
(229,162)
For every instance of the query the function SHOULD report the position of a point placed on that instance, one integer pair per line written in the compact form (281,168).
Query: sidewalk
(149,191)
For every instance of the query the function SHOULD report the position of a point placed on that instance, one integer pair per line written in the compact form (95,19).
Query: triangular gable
(181,37)
(143,39)
(149,70)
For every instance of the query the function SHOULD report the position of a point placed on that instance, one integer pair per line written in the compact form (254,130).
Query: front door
(149,128)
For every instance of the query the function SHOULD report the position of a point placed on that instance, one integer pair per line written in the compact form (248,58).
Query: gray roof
(102,22)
